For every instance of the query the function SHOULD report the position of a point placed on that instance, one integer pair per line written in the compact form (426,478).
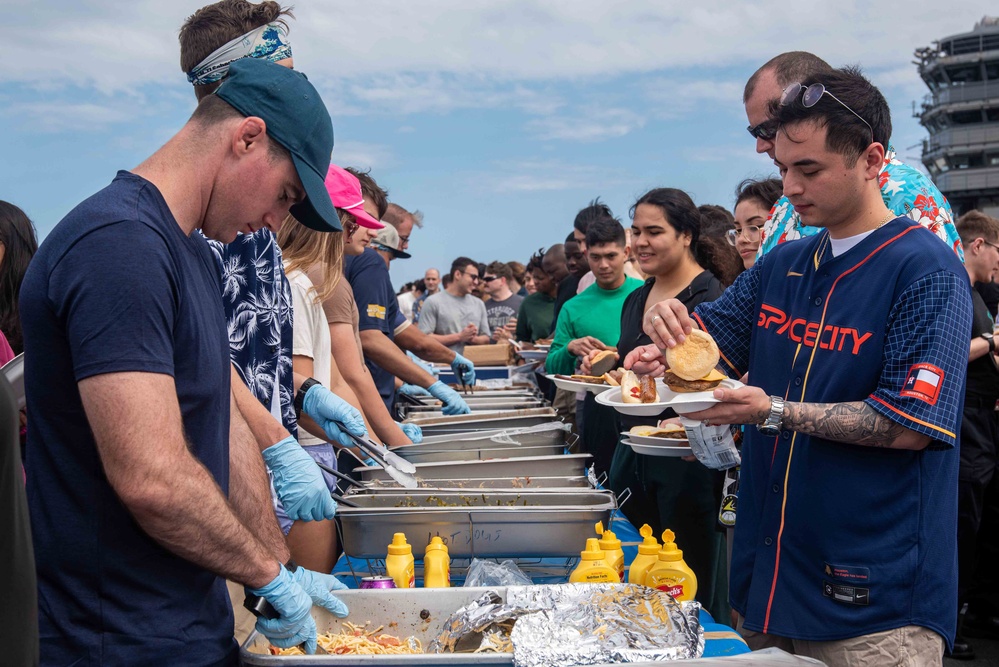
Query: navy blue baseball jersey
(837,540)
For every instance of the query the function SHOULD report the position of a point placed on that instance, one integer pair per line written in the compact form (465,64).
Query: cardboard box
(500,354)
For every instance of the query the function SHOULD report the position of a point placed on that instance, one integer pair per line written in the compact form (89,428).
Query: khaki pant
(910,646)
(564,404)
(244,619)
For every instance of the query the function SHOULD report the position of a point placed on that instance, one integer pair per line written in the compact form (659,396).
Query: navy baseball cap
(298,120)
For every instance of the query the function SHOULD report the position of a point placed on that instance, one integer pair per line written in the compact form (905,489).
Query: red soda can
(377,582)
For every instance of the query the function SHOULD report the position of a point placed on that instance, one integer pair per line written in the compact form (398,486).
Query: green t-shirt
(534,321)
(595,312)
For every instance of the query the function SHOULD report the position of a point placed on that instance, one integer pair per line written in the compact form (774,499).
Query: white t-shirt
(311,337)
(406,302)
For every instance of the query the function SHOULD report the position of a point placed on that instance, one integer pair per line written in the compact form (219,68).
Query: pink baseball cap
(345,193)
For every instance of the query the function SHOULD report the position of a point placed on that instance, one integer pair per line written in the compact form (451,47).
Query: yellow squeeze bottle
(671,574)
(613,553)
(399,564)
(436,565)
(592,568)
(647,558)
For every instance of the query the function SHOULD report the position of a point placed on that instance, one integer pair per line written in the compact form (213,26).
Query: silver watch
(771,426)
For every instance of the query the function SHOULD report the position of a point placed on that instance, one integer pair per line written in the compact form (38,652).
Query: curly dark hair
(17,235)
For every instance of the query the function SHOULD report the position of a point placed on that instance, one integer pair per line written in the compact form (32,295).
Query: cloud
(543,176)
(592,125)
(58,116)
(362,155)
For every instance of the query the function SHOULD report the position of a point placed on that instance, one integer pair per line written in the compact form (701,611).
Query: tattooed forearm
(853,423)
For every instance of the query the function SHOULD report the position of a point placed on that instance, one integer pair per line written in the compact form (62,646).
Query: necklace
(888,218)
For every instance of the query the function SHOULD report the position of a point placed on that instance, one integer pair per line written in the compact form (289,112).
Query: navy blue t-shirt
(378,309)
(117,287)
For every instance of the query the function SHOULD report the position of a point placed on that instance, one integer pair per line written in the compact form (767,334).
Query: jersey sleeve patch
(376,311)
(923,382)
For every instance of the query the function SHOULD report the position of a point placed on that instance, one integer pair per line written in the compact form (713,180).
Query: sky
(498,120)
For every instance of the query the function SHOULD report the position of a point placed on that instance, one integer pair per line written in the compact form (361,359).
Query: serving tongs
(394,465)
(346,478)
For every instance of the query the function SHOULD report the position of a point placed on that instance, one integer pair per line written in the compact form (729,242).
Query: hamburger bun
(638,388)
(674,431)
(603,361)
(671,430)
(588,379)
(695,357)
(682,386)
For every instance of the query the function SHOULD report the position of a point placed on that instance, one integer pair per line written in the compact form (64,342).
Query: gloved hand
(325,407)
(370,462)
(425,365)
(413,432)
(468,376)
(318,586)
(290,600)
(454,404)
(413,390)
(298,482)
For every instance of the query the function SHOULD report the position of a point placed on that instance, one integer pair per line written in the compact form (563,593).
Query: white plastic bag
(712,445)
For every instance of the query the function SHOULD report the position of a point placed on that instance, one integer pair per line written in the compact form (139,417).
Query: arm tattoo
(854,423)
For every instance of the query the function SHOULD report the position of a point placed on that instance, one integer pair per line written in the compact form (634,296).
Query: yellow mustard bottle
(592,568)
(647,558)
(399,563)
(436,565)
(671,573)
(611,546)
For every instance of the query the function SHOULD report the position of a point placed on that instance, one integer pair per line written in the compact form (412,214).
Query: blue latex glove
(370,462)
(318,586)
(454,404)
(299,482)
(468,377)
(428,367)
(296,625)
(413,432)
(412,390)
(325,407)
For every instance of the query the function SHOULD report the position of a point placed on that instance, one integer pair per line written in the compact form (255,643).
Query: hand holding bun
(695,357)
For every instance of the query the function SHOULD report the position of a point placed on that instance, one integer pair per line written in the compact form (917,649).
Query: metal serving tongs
(394,465)
(346,478)
(465,387)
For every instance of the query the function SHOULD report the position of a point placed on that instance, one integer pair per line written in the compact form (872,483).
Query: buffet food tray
(506,484)
(565,465)
(437,425)
(475,524)
(490,445)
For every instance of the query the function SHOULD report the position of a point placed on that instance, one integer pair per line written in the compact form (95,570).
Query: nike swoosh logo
(794,273)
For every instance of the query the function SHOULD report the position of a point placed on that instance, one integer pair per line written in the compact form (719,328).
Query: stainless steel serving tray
(480,453)
(474,524)
(505,484)
(491,445)
(565,465)
(471,423)
(550,435)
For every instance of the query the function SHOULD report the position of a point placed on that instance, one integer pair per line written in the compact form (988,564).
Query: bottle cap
(592,551)
(399,546)
(436,544)
(649,546)
(669,550)
(609,541)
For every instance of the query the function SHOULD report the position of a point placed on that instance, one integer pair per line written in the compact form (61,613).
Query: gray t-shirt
(444,313)
(500,312)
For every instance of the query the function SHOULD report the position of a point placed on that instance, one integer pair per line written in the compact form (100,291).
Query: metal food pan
(485,422)
(565,465)
(505,484)
(521,436)
(480,405)
(490,445)
(479,453)
(405,607)
(551,524)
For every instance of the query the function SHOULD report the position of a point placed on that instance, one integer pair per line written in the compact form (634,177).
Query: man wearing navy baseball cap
(139,511)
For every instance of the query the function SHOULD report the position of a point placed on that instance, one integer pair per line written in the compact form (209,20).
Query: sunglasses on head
(811,95)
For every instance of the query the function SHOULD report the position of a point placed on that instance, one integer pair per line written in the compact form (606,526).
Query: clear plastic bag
(713,446)
(491,573)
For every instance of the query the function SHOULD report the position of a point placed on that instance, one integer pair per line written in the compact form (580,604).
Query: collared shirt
(256,296)
(837,540)
(905,190)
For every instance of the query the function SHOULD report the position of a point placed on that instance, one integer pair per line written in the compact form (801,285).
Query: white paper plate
(681,403)
(694,401)
(655,441)
(532,355)
(653,450)
(573,385)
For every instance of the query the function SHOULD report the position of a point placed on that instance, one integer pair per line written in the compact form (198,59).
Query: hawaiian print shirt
(906,191)
(257,299)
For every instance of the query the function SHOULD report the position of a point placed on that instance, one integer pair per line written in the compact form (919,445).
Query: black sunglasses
(811,96)
(766,130)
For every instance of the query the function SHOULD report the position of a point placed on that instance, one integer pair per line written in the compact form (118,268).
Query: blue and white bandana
(268,42)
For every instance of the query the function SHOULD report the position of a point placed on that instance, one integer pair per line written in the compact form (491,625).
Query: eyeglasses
(991,244)
(404,239)
(751,232)
(811,97)
(489,279)
(766,130)
(474,276)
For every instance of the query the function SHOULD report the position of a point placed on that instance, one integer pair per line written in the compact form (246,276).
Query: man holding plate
(856,343)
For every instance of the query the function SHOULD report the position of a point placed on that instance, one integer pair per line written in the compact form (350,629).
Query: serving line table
(719,640)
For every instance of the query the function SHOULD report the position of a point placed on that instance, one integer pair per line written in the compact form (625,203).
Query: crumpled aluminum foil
(581,624)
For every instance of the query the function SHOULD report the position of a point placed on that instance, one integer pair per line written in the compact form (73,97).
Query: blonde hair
(305,249)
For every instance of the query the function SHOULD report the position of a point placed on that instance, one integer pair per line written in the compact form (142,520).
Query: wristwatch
(257,605)
(991,340)
(771,426)
(300,395)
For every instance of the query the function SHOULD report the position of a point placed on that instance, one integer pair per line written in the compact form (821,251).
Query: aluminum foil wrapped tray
(578,624)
